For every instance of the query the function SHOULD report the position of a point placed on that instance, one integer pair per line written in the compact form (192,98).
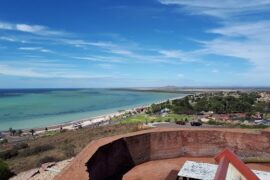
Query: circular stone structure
(112,157)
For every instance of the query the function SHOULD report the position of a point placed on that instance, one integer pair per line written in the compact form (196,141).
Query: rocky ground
(46,172)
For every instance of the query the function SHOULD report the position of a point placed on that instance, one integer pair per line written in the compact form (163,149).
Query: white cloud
(104,45)
(6,26)
(182,56)
(111,59)
(45,73)
(253,44)
(238,35)
(41,49)
(224,9)
(34,29)
(250,30)
(10,39)
(121,52)
(173,53)
(25,72)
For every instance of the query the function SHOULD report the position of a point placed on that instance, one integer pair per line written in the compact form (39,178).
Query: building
(205,120)
(222,117)
(164,112)
(229,167)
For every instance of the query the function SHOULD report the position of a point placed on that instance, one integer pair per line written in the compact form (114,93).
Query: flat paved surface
(168,169)
(161,169)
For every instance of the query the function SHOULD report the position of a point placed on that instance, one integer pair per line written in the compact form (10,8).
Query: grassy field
(152,118)
(59,146)
(236,125)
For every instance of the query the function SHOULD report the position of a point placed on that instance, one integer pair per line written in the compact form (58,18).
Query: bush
(168,120)
(36,150)
(3,141)
(7,154)
(212,122)
(20,146)
(5,173)
(69,150)
(47,159)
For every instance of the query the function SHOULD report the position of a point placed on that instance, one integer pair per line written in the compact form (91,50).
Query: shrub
(47,159)
(212,122)
(36,150)
(168,120)
(7,154)
(5,172)
(4,141)
(69,150)
(20,146)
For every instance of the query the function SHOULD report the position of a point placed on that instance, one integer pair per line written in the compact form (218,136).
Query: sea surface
(33,108)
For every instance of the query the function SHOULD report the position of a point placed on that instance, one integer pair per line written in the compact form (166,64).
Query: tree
(13,132)
(32,131)
(19,132)
(155,108)
(10,131)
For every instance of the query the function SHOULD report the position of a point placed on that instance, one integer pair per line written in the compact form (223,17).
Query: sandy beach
(94,121)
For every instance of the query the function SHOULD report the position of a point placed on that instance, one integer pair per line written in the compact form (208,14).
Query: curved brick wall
(110,158)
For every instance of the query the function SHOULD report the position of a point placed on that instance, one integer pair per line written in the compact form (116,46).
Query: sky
(128,43)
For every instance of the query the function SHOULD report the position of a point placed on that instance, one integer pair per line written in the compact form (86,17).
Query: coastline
(91,121)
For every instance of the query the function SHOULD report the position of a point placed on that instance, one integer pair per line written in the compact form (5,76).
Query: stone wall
(114,158)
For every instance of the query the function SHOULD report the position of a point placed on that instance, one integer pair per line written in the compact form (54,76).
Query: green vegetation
(5,173)
(57,147)
(226,104)
(14,151)
(153,118)
(69,150)
(236,125)
(136,119)
(156,108)
(20,146)
(220,103)
(51,133)
(182,106)
(36,150)
(7,154)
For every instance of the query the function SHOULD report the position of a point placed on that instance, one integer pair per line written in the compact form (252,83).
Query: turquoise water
(21,109)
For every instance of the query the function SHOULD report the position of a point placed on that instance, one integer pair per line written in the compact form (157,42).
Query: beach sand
(93,121)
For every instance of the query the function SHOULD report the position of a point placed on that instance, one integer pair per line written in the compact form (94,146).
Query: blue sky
(127,43)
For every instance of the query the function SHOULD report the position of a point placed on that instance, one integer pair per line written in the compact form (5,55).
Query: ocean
(34,108)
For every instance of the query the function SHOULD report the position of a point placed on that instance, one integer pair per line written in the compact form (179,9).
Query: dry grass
(65,144)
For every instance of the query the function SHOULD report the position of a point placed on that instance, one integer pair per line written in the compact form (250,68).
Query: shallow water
(32,108)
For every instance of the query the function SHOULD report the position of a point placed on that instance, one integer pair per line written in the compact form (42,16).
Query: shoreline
(91,121)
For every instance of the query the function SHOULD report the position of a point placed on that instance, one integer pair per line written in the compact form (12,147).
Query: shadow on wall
(106,164)
(113,160)
(172,175)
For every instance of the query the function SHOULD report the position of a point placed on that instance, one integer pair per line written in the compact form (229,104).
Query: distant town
(211,108)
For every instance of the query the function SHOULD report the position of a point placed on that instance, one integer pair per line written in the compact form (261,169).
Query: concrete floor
(168,169)
(161,169)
